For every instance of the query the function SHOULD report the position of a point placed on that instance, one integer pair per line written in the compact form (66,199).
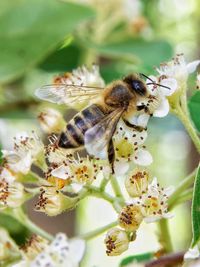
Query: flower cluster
(68,176)
(59,253)
(148,202)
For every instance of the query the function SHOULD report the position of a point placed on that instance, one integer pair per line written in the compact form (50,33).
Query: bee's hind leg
(135,127)
(111,155)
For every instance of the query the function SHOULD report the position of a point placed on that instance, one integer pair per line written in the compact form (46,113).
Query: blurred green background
(40,39)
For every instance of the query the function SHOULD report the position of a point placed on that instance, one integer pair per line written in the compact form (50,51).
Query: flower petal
(171,83)
(192,253)
(163,109)
(143,157)
(62,172)
(191,67)
(121,167)
(77,249)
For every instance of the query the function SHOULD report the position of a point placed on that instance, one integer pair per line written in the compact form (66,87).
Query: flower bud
(130,217)
(51,121)
(36,244)
(53,202)
(12,193)
(8,249)
(137,183)
(116,242)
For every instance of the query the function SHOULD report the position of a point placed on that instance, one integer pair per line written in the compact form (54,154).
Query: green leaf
(194,107)
(62,60)
(137,258)
(196,209)
(141,52)
(31,30)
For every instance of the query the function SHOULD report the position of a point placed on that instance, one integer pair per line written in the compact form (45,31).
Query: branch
(168,260)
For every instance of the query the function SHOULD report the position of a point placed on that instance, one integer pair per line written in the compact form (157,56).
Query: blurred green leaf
(138,51)
(194,107)
(16,230)
(137,258)
(62,60)
(31,30)
(196,209)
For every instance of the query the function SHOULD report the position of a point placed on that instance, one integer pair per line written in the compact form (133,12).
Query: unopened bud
(116,242)
(137,183)
(130,217)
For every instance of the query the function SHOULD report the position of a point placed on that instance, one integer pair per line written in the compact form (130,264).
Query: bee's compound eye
(138,87)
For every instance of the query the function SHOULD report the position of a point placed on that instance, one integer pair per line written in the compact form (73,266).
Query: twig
(168,260)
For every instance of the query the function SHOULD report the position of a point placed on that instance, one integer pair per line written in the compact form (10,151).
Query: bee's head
(136,84)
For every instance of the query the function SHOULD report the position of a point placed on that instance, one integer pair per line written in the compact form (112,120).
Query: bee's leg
(111,154)
(135,127)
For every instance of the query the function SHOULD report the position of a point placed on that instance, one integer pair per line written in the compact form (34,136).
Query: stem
(116,202)
(184,117)
(104,183)
(98,231)
(24,220)
(168,260)
(184,184)
(165,238)
(116,187)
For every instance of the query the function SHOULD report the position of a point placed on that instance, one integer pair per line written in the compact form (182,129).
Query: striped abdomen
(73,137)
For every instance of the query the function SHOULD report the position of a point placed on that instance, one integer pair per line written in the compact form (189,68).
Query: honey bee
(94,126)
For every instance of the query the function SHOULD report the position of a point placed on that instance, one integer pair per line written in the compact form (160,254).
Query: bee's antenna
(152,82)
(159,85)
(142,74)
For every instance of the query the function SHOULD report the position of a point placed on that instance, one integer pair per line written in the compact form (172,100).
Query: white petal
(192,253)
(121,167)
(62,172)
(152,219)
(76,187)
(169,190)
(191,67)
(168,215)
(143,157)
(163,109)
(143,120)
(77,249)
(171,83)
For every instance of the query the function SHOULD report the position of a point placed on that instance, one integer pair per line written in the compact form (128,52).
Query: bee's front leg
(111,155)
(133,126)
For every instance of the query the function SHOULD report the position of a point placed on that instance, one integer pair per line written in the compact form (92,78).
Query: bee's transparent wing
(97,137)
(67,94)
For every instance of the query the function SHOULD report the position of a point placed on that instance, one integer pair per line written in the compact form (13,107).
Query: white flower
(178,69)
(157,103)
(12,193)
(80,171)
(68,89)
(89,77)
(51,121)
(132,9)
(154,202)
(116,242)
(61,252)
(57,155)
(8,249)
(129,148)
(53,202)
(27,149)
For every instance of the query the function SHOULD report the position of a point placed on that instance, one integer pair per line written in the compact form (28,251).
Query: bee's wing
(67,94)
(97,137)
